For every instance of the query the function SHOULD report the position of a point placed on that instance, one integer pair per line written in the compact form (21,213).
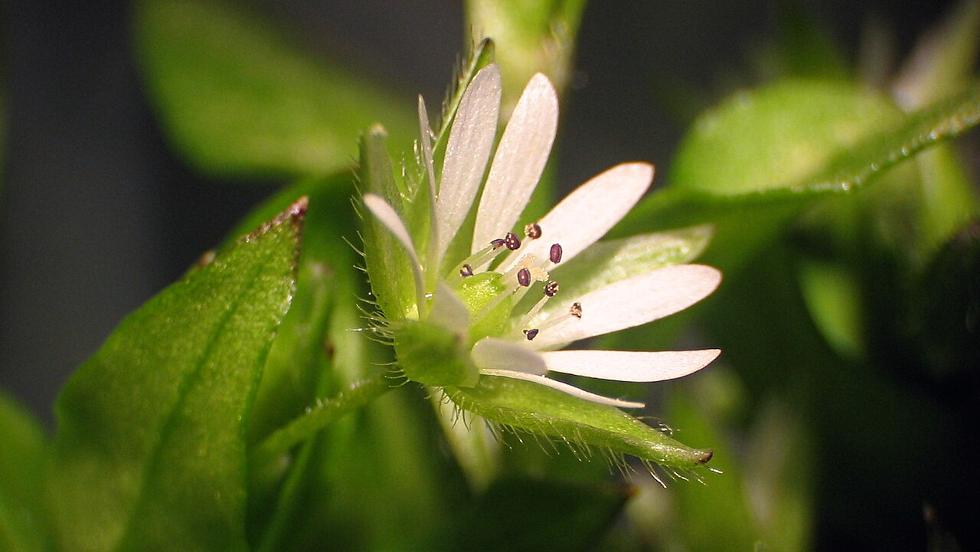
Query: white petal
(467,150)
(628,303)
(638,366)
(564,388)
(588,212)
(448,310)
(497,354)
(425,141)
(390,219)
(517,165)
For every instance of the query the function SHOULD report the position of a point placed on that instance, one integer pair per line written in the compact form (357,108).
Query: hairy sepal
(433,355)
(524,406)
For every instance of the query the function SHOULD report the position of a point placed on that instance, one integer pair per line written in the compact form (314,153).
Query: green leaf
(150,449)
(236,96)
(531,514)
(300,355)
(538,410)
(771,138)
(762,155)
(832,293)
(22,458)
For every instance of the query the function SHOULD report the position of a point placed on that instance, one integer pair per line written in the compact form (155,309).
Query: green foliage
(237,97)
(150,448)
(22,457)
(231,411)
(521,514)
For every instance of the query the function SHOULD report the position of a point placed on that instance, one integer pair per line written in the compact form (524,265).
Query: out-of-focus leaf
(832,295)
(531,514)
(236,97)
(751,163)
(719,510)
(150,448)
(531,37)
(778,469)
(22,456)
(771,138)
(806,49)
(946,313)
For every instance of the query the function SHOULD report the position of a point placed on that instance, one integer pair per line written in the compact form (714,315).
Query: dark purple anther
(524,277)
(551,288)
(512,241)
(532,231)
(466,271)
(497,243)
(576,310)
(531,334)
(555,253)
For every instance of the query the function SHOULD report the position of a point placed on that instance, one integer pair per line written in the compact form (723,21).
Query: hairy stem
(317,417)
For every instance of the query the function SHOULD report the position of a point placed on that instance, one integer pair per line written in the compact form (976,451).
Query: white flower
(525,345)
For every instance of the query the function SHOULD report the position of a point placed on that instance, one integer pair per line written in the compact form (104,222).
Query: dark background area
(97,213)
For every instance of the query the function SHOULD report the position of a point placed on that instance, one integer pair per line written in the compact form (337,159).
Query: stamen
(512,241)
(576,310)
(551,288)
(481,257)
(466,271)
(532,231)
(555,253)
(531,334)
(524,277)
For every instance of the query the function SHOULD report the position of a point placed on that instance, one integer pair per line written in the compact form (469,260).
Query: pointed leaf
(236,96)
(150,448)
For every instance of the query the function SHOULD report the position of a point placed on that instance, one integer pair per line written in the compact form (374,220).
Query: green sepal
(433,355)
(387,263)
(527,407)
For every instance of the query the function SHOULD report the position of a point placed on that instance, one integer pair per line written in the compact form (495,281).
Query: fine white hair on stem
(564,388)
(387,216)
(636,366)
(517,165)
(587,213)
(629,303)
(467,151)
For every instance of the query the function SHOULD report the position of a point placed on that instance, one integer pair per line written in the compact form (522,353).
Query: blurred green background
(842,412)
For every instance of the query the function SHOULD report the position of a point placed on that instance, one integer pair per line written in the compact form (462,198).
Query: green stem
(317,417)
